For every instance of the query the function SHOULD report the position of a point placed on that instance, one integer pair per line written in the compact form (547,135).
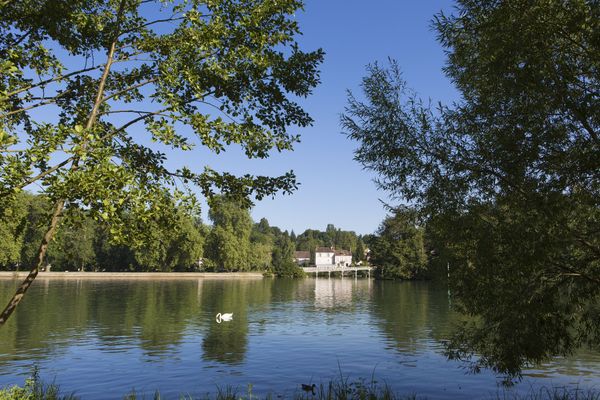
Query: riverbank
(338,389)
(133,275)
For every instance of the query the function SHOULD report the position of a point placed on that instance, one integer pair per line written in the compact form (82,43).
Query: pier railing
(337,268)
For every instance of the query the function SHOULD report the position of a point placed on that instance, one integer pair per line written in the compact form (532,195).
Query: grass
(338,389)
(554,393)
(34,389)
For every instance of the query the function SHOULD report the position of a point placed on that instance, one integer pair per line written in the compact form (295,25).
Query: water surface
(101,339)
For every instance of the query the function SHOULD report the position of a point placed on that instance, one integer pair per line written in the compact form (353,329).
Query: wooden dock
(335,268)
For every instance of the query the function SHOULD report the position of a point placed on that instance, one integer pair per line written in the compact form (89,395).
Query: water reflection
(412,315)
(165,332)
(333,293)
(227,342)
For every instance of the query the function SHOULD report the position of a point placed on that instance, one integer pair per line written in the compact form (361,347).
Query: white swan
(224,317)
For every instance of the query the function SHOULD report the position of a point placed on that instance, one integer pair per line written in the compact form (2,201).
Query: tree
(228,244)
(283,256)
(261,246)
(359,252)
(399,250)
(112,256)
(74,243)
(13,221)
(38,209)
(172,247)
(223,69)
(508,176)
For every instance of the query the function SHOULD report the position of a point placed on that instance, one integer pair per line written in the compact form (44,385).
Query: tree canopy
(398,252)
(94,92)
(507,178)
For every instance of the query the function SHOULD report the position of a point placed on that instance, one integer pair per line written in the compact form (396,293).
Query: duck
(309,388)
(224,317)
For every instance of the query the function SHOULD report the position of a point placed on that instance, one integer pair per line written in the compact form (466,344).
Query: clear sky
(333,187)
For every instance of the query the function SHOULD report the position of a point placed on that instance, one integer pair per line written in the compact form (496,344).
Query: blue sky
(334,188)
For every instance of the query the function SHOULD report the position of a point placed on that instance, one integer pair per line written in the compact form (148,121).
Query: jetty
(337,268)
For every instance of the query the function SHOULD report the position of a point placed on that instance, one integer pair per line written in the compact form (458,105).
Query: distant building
(324,257)
(329,257)
(343,258)
(302,257)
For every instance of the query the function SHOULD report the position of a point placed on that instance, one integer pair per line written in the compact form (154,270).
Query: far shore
(132,275)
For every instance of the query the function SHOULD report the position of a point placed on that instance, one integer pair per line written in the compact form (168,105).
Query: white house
(328,257)
(324,257)
(343,258)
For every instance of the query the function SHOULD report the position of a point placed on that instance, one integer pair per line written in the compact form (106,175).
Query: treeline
(232,243)
(406,247)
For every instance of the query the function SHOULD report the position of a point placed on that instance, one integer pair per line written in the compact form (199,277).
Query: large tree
(398,252)
(13,223)
(508,176)
(87,86)
(174,246)
(228,243)
(73,247)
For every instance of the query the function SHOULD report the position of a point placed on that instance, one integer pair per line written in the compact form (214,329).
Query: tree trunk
(18,296)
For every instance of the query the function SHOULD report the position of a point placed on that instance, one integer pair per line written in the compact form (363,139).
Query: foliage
(12,230)
(261,246)
(282,258)
(34,389)
(507,177)
(202,73)
(310,239)
(176,243)
(399,251)
(74,246)
(228,243)
(84,244)
(238,66)
(173,247)
(38,208)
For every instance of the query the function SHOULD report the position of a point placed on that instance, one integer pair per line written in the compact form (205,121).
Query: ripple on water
(162,335)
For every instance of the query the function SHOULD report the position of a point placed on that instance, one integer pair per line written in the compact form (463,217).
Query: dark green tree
(508,176)
(73,247)
(38,209)
(13,223)
(261,246)
(228,244)
(399,250)
(222,72)
(359,252)
(172,246)
(112,256)
(283,258)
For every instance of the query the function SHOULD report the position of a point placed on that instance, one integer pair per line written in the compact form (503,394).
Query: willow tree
(507,178)
(97,95)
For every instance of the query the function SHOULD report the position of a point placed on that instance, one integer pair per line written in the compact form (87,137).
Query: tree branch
(127,89)
(47,81)
(40,104)
(157,21)
(45,173)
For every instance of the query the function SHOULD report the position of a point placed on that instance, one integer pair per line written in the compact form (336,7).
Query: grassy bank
(340,389)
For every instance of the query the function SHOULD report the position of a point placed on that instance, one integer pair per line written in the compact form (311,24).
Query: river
(103,338)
